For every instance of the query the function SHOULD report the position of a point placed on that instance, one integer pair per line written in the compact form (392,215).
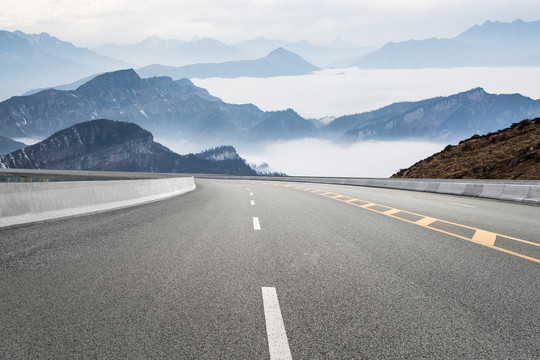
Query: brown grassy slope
(511,153)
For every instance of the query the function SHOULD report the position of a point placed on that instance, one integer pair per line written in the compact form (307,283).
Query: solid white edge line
(252,202)
(256,224)
(275,328)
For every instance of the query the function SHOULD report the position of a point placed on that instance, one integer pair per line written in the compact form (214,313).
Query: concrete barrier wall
(22,203)
(508,190)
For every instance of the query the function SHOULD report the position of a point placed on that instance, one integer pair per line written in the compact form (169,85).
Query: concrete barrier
(515,192)
(533,197)
(491,191)
(23,203)
(508,190)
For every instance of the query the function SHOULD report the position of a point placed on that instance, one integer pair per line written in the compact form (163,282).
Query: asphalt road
(193,277)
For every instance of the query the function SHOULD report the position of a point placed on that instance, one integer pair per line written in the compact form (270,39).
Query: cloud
(316,157)
(320,157)
(93,22)
(336,92)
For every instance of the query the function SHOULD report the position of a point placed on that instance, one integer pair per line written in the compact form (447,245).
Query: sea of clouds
(337,92)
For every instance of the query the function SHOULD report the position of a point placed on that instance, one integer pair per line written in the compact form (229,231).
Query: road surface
(260,270)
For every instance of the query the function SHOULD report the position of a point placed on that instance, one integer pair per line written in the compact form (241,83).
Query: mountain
(512,153)
(279,62)
(321,56)
(37,60)
(171,52)
(8,145)
(118,146)
(283,125)
(220,153)
(491,44)
(170,109)
(180,111)
(71,86)
(443,118)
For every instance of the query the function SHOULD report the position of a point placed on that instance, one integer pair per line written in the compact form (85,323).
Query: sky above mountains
(361,22)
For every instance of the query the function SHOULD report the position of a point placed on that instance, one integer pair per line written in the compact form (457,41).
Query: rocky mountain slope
(279,62)
(511,153)
(169,109)
(118,146)
(450,118)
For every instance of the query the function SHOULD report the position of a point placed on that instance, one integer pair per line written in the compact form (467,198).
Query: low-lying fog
(317,157)
(337,92)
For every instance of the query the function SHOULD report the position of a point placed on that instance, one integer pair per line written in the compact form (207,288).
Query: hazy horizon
(362,22)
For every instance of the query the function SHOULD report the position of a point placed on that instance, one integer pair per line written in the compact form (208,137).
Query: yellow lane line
(326,193)
(365,206)
(340,196)
(391,212)
(480,237)
(483,237)
(426,221)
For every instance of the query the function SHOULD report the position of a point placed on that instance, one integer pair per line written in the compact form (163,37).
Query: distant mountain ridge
(8,145)
(39,60)
(118,146)
(450,118)
(491,44)
(172,52)
(279,62)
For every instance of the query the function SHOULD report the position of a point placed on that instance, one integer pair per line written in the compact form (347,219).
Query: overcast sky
(362,22)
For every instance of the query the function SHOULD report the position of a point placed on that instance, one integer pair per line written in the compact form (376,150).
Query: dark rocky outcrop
(118,146)
(511,153)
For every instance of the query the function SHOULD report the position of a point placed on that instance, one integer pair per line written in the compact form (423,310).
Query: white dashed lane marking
(275,328)
(256,224)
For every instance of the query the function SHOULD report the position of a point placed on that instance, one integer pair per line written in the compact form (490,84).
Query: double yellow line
(482,237)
